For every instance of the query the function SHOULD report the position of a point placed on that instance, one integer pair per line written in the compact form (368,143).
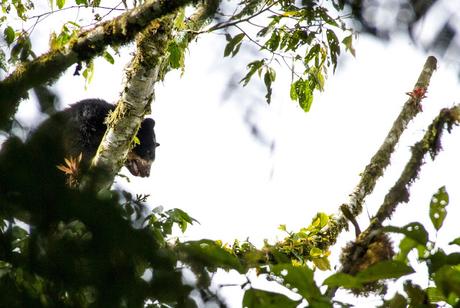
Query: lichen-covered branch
(148,66)
(399,193)
(374,170)
(431,143)
(89,44)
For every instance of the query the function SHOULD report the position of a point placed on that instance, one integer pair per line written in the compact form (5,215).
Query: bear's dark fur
(80,128)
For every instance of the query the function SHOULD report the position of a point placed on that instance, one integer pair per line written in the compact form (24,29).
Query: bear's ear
(148,123)
(146,134)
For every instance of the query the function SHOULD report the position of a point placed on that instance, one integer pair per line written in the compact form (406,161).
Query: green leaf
(175,55)
(179,21)
(14,54)
(60,3)
(455,241)
(293,40)
(418,297)
(264,31)
(207,253)
(315,252)
(269,77)
(250,8)
(3,64)
(334,48)
(306,99)
(19,233)
(439,259)
(313,52)
(342,280)
(324,219)
(384,270)
(9,35)
(338,4)
(322,13)
(398,301)
(21,8)
(348,42)
(322,263)
(438,204)
(300,91)
(88,73)
(107,56)
(254,298)
(181,218)
(274,41)
(293,92)
(300,278)
(232,43)
(435,295)
(253,67)
(405,246)
(236,49)
(319,80)
(414,230)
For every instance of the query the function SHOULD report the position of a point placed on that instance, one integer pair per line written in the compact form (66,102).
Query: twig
(236,22)
(39,16)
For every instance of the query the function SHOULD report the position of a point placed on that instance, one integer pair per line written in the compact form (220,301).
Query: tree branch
(381,159)
(148,66)
(399,193)
(431,142)
(89,44)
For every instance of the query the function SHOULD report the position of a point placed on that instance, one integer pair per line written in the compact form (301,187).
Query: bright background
(238,186)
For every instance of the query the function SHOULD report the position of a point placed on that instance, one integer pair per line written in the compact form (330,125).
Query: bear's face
(140,158)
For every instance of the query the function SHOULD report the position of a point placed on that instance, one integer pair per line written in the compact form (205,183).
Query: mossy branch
(399,193)
(148,66)
(381,159)
(430,143)
(89,44)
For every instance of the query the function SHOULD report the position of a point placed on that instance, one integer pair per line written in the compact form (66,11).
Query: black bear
(79,130)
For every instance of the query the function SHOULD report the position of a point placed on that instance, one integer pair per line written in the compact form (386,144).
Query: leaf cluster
(62,247)
(69,247)
(303,37)
(443,268)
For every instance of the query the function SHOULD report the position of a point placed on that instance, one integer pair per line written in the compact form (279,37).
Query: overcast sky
(210,165)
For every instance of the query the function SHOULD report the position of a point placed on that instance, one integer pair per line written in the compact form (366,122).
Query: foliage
(81,248)
(68,246)
(303,37)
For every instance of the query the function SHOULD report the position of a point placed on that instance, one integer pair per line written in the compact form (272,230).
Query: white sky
(209,164)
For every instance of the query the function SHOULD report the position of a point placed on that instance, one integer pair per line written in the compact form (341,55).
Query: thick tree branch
(381,159)
(148,66)
(431,142)
(399,193)
(89,44)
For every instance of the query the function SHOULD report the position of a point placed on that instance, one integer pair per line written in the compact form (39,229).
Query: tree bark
(149,65)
